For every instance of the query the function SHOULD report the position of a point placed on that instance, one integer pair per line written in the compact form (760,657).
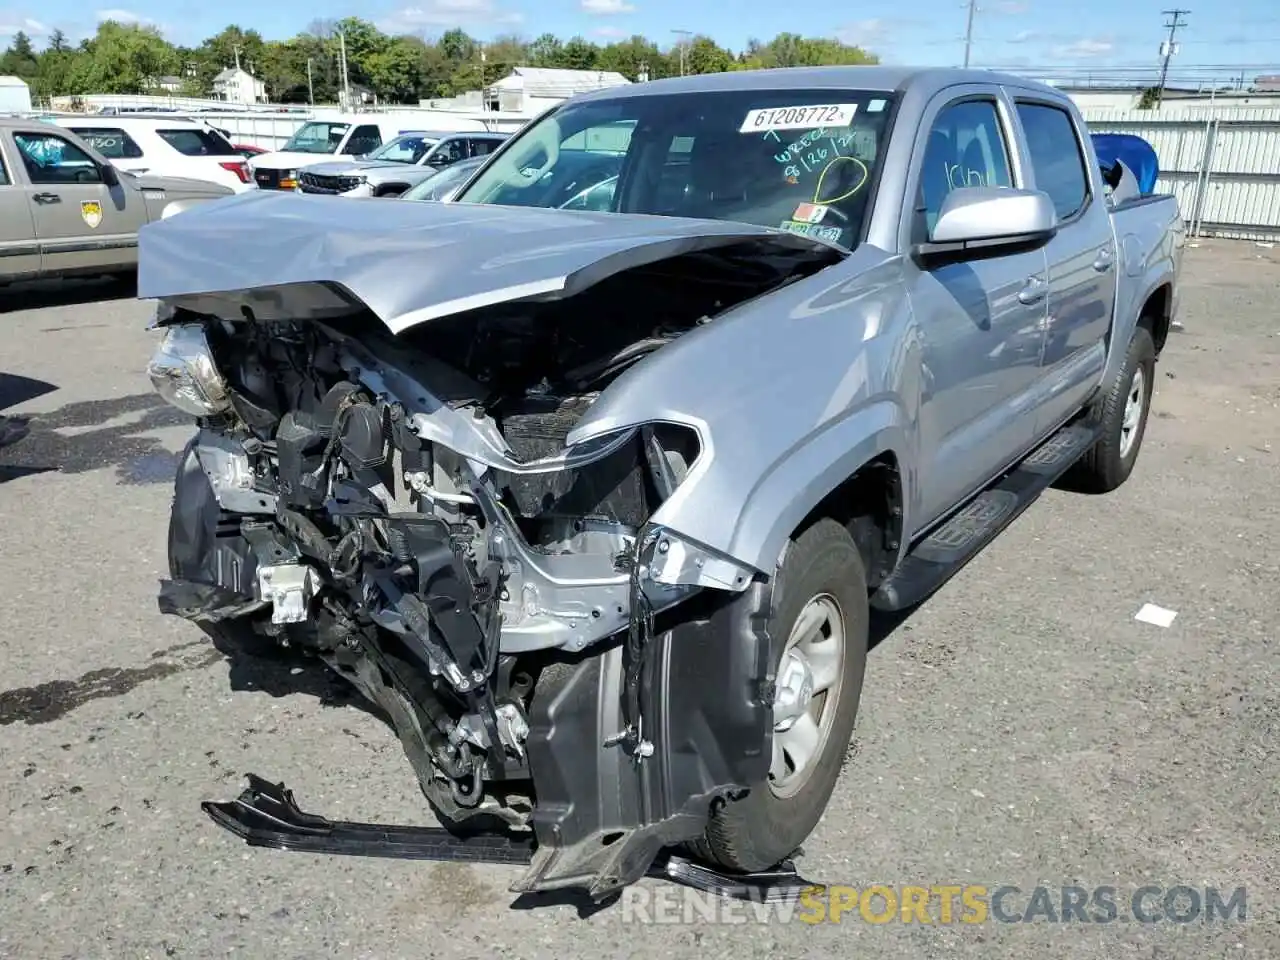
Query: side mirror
(109,175)
(988,220)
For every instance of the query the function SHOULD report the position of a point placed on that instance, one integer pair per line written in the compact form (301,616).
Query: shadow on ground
(40,294)
(137,459)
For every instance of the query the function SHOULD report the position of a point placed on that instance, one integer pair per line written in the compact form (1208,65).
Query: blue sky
(1018,33)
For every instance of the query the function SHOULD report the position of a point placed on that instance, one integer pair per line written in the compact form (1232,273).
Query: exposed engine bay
(407,509)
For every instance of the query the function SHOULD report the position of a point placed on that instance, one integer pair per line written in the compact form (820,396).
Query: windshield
(407,149)
(438,186)
(800,160)
(316,137)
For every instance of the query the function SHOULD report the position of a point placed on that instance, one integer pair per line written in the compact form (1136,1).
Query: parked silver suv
(397,165)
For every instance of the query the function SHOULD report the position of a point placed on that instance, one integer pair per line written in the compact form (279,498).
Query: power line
(1169,49)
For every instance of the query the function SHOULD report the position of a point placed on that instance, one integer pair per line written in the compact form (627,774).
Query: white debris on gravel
(1158,616)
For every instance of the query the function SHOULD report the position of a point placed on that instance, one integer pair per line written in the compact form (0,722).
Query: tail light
(239,168)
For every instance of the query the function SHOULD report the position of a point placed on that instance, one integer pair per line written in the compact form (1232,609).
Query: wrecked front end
(409,508)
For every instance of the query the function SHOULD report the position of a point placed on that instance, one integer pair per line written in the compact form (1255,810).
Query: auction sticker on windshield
(799,117)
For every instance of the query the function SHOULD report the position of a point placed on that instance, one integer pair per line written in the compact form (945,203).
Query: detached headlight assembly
(184,373)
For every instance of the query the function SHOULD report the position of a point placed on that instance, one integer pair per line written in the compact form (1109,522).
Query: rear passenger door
(19,251)
(980,319)
(1081,260)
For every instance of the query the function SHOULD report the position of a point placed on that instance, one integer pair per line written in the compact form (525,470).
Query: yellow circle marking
(817,190)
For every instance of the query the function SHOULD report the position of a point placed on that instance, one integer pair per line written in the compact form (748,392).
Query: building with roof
(237,85)
(529,90)
(15,95)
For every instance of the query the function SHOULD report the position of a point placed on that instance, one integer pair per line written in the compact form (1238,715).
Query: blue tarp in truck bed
(1134,152)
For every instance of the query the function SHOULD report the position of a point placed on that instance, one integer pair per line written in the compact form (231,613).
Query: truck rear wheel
(822,612)
(1122,411)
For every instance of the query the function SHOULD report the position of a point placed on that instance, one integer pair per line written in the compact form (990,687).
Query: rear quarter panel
(1150,238)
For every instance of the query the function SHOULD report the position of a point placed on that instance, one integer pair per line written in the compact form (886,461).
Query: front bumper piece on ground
(265,815)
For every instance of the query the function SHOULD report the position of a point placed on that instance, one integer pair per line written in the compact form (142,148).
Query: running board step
(266,815)
(945,552)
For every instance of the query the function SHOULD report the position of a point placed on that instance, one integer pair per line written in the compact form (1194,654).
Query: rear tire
(1122,411)
(821,576)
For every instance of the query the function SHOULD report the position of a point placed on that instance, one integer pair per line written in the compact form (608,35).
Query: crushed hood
(414,262)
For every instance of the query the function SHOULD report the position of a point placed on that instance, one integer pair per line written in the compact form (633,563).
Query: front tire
(822,612)
(1122,412)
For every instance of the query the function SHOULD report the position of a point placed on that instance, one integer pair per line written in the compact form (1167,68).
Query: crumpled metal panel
(413,262)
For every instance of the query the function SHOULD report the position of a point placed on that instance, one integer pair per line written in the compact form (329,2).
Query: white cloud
(1084,49)
(31,27)
(447,14)
(610,33)
(1024,36)
(864,33)
(605,8)
(123,16)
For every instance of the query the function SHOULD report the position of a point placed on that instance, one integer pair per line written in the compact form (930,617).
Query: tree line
(124,58)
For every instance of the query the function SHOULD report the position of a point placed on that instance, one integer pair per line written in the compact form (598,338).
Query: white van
(346,135)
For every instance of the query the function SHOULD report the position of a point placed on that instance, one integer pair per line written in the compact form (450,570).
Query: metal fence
(1221,162)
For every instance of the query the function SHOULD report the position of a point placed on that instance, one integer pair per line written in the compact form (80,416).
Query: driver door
(81,224)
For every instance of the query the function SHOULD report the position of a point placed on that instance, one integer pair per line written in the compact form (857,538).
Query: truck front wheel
(821,611)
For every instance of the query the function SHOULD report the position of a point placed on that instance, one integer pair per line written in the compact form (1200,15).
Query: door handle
(1104,259)
(47,198)
(1033,291)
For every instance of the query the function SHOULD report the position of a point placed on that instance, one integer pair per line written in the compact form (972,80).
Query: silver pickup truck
(595,505)
(65,210)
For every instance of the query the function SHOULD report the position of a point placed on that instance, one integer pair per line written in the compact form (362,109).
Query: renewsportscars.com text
(943,904)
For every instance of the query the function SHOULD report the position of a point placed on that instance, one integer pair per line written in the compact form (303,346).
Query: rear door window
(364,139)
(198,143)
(1056,158)
(483,147)
(4,174)
(111,142)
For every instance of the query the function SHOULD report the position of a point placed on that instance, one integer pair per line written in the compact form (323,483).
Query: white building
(529,90)
(236,85)
(15,95)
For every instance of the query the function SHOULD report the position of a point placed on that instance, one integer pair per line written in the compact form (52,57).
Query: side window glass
(4,174)
(966,148)
(111,143)
(1056,160)
(364,139)
(482,148)
(50,159)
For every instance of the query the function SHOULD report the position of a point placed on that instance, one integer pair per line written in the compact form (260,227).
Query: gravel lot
(1022,728)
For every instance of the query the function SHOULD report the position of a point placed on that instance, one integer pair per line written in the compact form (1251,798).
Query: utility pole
(682,34)
(1168,49)
(311,90)
(342,67)
(968,32)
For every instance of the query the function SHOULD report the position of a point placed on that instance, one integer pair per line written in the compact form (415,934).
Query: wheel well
(1157,315)
(390,189)
(869,505)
